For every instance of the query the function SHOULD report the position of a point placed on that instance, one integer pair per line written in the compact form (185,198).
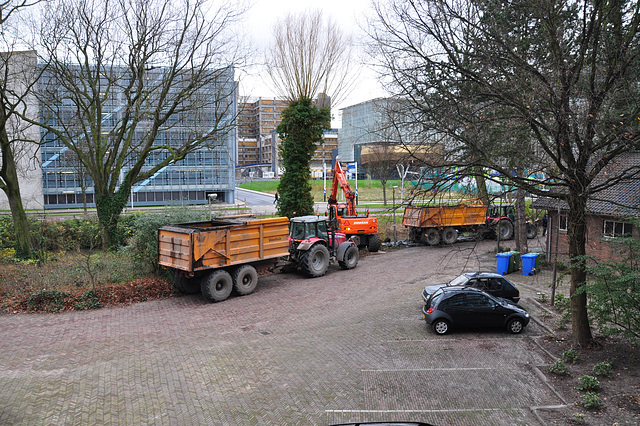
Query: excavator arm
(340,179)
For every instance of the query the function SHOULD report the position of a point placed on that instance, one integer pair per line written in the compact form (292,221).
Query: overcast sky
(347,13)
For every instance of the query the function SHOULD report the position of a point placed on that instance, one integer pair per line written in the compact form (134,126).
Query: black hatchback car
(461,307)
(490,282)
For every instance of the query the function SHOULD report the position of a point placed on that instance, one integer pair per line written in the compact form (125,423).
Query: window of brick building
(617,229)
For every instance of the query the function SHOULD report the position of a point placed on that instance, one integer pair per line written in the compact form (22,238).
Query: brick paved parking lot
(349,346)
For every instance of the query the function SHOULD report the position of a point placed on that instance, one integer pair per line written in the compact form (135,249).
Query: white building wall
(22,68)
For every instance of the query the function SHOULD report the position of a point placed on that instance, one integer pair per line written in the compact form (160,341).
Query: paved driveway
(348,346)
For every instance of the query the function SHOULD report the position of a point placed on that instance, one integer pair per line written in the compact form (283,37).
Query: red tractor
(312,246)
(362,229)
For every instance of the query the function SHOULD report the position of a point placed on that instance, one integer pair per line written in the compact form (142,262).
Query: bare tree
(567,72)
(122,76)
(310,57)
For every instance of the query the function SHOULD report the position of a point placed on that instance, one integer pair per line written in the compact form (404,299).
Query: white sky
(264,14)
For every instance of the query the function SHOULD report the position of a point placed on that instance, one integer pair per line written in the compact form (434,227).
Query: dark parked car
(460,307)
(491,282)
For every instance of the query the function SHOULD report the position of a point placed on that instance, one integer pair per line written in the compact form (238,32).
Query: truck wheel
(506,229)
(185,285)
(245,279)
(449,235)
(373,245)
(532,230)
(315,261)
(350,259)
(431,237)
(217,285)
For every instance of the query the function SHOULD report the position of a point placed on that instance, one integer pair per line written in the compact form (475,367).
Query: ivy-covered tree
(301,128)
(310,58)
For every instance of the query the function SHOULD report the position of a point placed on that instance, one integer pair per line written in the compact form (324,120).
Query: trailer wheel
(414,235)
(373,245)
(506,229)
(315,261)
(350,259)
(185,285)
(431,237)
(449,235)
(532,230)
(217,285)
(245,279)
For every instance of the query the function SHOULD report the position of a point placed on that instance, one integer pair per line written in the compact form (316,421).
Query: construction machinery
(437,224)
(219,256)
(343,218)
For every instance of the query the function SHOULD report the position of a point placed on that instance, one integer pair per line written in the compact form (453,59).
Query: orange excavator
(362,229)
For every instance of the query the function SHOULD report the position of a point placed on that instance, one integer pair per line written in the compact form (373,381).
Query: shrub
(90,300)
(144,243)
(613,287)
(559,368)
(603,368)
(578,418)
(47,300)
(591,400)
(571,356)
(588,383)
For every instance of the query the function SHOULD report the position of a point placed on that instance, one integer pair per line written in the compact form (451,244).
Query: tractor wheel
(245,279)
(506,229)
(431,237)
(532,230)
(351,258)
(356,239)
(315,261)
(185,285)
(373,244)
(449,236)
(217,285)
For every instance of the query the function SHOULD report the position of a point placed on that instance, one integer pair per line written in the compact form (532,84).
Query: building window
(617,229)
(563,222)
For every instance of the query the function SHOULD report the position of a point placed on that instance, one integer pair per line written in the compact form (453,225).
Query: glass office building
(206,171)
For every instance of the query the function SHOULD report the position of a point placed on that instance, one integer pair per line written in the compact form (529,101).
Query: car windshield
(462,279)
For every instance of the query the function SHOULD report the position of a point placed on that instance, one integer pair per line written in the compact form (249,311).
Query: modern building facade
(208,171)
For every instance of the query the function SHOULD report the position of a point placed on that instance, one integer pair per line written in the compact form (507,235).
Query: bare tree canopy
(309,57)
(544,86)
(119,74)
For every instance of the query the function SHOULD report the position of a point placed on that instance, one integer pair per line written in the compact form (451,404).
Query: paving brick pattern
(348,346)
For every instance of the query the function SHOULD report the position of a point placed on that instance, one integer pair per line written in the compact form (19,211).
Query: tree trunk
(521,222)
(11,187)
(576,229)
(384,191)
(109,208)
(483,194)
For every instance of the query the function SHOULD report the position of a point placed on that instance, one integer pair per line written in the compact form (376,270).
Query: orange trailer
(220,255)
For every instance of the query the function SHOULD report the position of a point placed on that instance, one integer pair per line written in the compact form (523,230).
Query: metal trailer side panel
(209,245)
(445,216)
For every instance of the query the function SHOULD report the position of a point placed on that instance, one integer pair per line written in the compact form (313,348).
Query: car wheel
(440,326)
(515,326)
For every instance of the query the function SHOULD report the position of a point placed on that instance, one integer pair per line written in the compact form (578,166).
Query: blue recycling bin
(502,263)
(529,263)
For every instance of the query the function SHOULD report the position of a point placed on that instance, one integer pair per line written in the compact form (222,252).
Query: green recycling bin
(514,261)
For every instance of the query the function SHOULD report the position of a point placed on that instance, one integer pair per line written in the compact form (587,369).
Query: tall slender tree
(310,58)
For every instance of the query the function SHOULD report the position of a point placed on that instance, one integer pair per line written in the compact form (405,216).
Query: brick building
(608,212)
